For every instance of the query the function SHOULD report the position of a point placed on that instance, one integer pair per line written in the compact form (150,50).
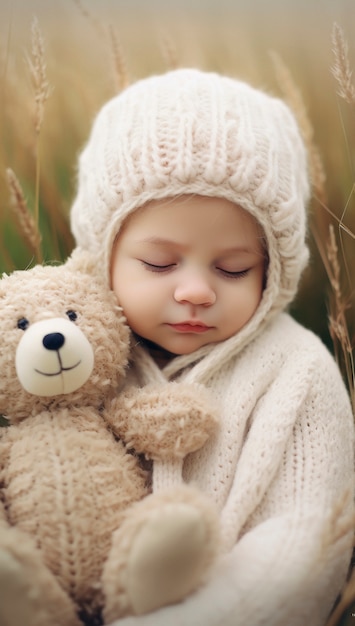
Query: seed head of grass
(25,221)
(341,68)
(38,73)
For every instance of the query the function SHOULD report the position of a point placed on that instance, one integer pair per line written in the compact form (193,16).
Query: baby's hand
(164,421)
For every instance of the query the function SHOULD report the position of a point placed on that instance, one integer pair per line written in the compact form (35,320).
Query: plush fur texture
(78,536)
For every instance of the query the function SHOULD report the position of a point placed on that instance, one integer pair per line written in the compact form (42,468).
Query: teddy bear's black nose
(53,341)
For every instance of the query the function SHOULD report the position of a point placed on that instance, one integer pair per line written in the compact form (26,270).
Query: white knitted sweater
(281,467)
(281,472)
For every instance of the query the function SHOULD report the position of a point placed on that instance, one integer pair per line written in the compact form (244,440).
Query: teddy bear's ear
(83,261)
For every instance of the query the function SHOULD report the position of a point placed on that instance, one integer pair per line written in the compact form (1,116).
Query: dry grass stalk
(294,98)
(38,72)
(341,69)
(346,600)
(334,274)
(337,318)
(4,59)
(119,61)
(338,528)
(340,222)
(339,524)
(90,17)
(169,52)
(24,218)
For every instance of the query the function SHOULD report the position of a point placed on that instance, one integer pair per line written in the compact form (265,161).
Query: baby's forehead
(192,220)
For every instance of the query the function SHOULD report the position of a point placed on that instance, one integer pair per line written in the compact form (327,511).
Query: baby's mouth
(190,327)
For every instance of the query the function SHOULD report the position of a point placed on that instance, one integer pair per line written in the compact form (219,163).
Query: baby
(192,193)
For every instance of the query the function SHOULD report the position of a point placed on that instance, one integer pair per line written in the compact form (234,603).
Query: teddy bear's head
(63,338)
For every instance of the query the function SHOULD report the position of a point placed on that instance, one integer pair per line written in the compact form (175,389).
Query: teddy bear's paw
(166,422)
(169,548)
(26,598)
(168,558)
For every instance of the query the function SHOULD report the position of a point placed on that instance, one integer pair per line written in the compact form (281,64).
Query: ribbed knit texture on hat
(189,131)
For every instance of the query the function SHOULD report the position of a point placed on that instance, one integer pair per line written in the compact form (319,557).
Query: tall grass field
(60,61)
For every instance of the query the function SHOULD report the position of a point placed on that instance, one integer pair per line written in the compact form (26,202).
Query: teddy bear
(83,538)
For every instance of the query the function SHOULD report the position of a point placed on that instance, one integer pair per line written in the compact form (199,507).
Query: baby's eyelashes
(166,267)
(235,275)
(155,267)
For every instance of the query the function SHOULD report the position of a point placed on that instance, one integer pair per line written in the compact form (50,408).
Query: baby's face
(188,271)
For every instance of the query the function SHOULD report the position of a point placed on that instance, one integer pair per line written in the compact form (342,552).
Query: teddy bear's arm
(163,421)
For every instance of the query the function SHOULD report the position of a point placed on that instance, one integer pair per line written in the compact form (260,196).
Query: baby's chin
(162,354)
(177,350)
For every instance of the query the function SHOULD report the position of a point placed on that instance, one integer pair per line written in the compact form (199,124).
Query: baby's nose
(195,289)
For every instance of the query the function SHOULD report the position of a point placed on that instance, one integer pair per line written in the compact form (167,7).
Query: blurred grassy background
(232,36)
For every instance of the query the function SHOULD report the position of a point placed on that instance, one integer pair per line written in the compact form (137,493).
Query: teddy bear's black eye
(72,315)
(23,323)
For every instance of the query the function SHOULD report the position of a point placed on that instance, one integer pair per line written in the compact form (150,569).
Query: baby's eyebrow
(155,239)
(161,241)
(238,250)
(169,243)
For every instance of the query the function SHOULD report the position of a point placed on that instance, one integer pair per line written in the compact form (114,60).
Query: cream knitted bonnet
(189,131)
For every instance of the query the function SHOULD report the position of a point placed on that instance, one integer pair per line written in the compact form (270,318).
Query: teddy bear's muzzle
(53,357)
